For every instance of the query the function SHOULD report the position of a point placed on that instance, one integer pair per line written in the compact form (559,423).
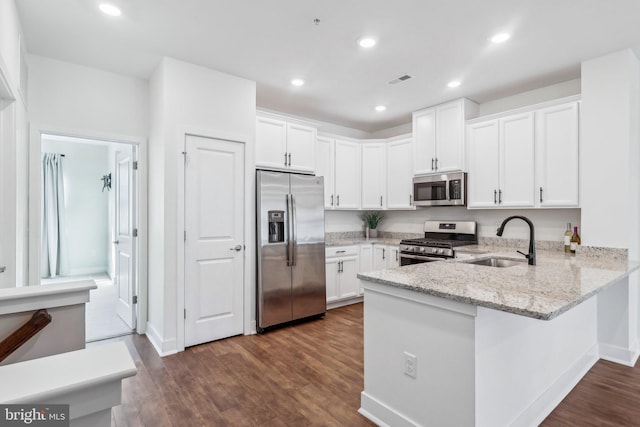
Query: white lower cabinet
(385,256)
(342,265)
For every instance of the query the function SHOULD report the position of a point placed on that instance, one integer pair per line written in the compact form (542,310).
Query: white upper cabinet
(347,165)
(439,136)
(324,167)
(374,175)
(526,159)
(484,164)
(400,174)
(501,161)
(271,143)
(517,161)
(285,146)
(557,140)
(301,142)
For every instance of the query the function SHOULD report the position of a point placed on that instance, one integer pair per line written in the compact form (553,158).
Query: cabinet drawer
(340,251)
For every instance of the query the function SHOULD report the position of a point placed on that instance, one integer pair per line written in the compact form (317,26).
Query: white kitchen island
(455,344)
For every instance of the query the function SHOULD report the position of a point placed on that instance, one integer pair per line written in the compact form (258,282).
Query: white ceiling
(272,41)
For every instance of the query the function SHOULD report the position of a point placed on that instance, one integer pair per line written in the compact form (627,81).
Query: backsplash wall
(550,224)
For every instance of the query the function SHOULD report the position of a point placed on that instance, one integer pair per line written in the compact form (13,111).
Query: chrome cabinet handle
(332,200)
(500,197)
(2,269)
(540,194)
(432,163)
(380,201)
(410,200)
(338,199)
(116,242)
(495,194)
(236,248)
(396,252)
(340,252)
(285,159)
(289,159)
(383,253)
(436,163)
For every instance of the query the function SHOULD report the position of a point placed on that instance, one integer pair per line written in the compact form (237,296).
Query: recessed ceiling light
(109,9)
(453,83)
(380,107)
(500,37)
(367,42)
(297,82)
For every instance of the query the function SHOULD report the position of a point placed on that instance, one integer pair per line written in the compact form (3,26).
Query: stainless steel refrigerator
(290,231)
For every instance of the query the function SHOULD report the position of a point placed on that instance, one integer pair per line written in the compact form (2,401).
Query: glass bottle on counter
(575,240)
(567,238)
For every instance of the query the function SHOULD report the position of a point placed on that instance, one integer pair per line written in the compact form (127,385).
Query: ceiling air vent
(400,79)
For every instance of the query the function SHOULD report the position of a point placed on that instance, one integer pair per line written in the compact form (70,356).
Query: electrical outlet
(410,365)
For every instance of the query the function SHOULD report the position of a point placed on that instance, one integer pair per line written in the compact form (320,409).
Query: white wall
(189,97)
(550,224)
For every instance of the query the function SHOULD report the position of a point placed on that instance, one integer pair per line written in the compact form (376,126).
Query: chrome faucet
(531,256)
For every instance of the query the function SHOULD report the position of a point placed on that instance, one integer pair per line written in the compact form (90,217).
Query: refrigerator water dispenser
(276,226)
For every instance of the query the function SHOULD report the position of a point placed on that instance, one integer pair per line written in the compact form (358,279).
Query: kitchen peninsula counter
(448,343)
(558,282)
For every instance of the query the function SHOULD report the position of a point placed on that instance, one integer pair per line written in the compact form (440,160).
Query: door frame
(249,324)
(35,152)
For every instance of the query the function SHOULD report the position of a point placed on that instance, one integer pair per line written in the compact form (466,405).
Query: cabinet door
(557,156)
(424,141)
(324,167)
(394,256)
(484,164)
(347,175)
(374,176)
(380,257)
(517,154)
(349,284)
(400,174)
(331,266)
(449,137)
(301,141)
(271,143)
(366,262)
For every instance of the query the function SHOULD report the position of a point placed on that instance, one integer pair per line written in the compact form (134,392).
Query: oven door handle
(421,257)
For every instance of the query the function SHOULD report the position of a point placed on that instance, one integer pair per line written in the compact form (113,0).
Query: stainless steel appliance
(440,190)
(290,233)
(439,242)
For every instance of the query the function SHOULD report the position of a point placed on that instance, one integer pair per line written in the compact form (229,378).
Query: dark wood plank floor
(311,375)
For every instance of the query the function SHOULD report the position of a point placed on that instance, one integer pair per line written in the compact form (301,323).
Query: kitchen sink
(497,262)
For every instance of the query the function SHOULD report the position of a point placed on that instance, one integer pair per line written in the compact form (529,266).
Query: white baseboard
(535,413)
(163,348)
(621,355)
(381,414)
(342,303)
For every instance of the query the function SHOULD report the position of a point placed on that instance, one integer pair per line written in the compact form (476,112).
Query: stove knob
(421,249)
(440,251)
(434,250)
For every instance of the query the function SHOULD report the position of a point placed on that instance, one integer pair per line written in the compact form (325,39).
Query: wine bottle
(567,238)
(575,240)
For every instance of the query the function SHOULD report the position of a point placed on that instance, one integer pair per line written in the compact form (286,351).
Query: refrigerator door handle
(289,244)
(294,230)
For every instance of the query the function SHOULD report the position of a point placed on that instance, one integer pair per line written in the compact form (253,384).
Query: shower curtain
(54,260)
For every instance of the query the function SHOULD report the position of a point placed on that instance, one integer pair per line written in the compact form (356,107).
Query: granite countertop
(558,282)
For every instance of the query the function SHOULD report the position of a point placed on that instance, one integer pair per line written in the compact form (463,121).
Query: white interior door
(125,242)
(5,247)
(214,240)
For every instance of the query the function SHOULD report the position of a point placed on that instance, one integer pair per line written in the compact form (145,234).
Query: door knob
(236,248)
(116,242)
(2,269)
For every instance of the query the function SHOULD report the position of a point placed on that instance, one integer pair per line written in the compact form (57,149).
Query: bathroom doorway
(88,226)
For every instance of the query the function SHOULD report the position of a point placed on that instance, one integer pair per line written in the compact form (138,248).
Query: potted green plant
(371,220)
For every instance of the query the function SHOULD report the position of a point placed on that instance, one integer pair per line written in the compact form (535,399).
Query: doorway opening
(88,226)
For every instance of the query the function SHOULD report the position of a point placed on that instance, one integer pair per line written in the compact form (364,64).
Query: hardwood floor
(307,375)
(311,375)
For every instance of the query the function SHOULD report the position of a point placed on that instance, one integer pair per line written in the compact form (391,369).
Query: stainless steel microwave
(440,190)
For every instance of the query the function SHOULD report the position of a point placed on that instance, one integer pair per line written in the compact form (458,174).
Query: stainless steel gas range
(439,242)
